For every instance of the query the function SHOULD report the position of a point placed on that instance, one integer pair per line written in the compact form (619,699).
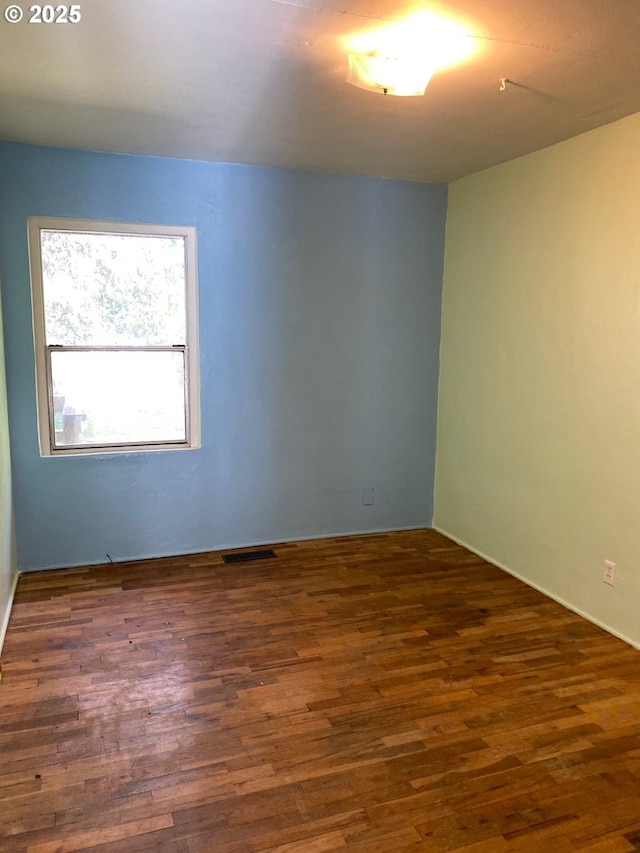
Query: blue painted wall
(319,329)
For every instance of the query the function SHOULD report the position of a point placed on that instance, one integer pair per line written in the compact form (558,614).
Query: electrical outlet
(368,497)
(609,575)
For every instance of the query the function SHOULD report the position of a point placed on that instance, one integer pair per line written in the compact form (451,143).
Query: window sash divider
(128,348)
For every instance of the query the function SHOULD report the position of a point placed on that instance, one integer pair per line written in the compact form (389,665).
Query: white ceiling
(263,82)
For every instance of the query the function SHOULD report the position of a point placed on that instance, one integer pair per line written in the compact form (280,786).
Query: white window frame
(44,387)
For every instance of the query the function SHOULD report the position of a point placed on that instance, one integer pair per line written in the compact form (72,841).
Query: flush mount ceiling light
(391,75)
(401,58)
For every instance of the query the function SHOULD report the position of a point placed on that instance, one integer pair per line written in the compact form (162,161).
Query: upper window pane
(103,289)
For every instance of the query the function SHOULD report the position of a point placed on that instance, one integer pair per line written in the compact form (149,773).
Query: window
(115,331)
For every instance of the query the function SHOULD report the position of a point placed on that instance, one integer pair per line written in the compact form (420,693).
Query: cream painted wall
(538,452)
(8,562)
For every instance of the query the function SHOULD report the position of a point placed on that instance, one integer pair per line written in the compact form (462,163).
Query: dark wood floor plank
(389,692)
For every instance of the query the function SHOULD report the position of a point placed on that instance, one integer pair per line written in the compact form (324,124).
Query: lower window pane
(103,398)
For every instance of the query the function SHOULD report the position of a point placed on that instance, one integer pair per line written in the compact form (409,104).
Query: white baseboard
(588,616)
(231,546)
(5,616)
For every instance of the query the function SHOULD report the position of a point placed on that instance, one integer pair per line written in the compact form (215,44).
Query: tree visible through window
(115,329)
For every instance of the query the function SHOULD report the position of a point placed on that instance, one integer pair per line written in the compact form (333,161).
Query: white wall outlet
(609,575)
(367,497)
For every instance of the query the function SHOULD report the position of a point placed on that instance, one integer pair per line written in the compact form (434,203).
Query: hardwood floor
(378,693)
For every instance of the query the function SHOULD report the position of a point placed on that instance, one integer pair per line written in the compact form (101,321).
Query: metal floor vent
(248,556)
